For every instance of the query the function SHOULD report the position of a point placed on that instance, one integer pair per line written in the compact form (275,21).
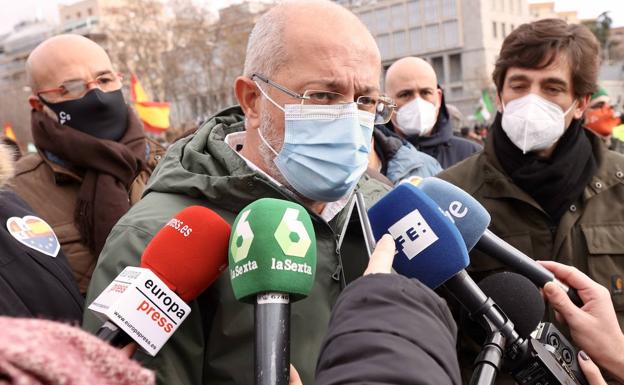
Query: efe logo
(412,234)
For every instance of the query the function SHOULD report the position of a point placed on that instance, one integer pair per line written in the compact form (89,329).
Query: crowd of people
(312,126)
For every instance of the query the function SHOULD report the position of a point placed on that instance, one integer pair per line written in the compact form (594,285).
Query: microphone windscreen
(470,217)
(272,249)
(429,246)
(519,299)
(189,252)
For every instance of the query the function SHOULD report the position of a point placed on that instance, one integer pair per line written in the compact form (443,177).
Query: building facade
(460,38)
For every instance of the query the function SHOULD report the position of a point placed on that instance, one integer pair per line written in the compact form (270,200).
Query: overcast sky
(14,11)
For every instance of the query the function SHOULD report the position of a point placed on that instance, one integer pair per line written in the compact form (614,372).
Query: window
(457,92)
(384,19)
(494,29)
(399,18)
(78,15)
(449,9)
(512,28)
(413,13)
(416,41)
(451,34)
(431,10)
(504,27)
(432,37)
(438,66)
(455,68)
(383,41)
(368,18)
(90,12)
(400,44)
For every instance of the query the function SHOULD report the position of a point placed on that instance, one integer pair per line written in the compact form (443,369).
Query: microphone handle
(113,335)
(496,248)
(272,339)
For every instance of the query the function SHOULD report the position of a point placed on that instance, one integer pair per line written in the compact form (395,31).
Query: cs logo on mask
(243,237)
(64,117)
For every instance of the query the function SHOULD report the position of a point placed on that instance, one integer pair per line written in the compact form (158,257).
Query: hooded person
(35,278)
(92,159)
(422,116)
(309,97)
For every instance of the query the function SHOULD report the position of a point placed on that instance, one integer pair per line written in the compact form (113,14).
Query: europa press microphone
(272,262)
(148,303)
(430,248)
(472,220)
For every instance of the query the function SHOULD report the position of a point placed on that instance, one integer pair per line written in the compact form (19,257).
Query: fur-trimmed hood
(6,164)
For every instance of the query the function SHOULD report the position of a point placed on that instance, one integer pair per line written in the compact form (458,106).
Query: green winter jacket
(214,345)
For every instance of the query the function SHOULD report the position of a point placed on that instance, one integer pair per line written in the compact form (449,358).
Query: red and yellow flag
(8,132)
(154,115)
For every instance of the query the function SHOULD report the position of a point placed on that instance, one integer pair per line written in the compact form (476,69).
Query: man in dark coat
(422,117)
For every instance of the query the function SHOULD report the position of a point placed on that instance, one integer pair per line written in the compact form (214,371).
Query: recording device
(520,299)
(430,248)
(272,262)
(472,220)
(148,304)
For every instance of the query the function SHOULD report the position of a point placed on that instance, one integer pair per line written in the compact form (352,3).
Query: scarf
(109,169)
(554,183)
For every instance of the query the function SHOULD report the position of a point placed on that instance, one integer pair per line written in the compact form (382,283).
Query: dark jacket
(388,329)
(33,284)
(399,159)
(214,345)
(447,148)
(588,235)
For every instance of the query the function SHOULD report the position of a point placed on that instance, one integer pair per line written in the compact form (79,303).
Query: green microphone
(272,262)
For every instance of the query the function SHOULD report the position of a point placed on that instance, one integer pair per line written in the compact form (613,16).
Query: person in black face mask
(93,159)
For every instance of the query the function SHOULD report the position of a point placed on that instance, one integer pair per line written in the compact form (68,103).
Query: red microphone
(190,251)
(187,254)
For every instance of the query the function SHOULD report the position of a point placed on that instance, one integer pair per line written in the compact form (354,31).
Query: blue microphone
(430,249)
(472,220)
(428,246)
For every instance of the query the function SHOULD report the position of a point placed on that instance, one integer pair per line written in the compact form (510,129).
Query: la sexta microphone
(272,262)
(148,303)
(472,220)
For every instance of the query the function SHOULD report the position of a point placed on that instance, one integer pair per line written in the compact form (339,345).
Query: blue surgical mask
(325,149)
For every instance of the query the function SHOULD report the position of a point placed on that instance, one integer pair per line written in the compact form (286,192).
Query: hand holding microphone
(594,327)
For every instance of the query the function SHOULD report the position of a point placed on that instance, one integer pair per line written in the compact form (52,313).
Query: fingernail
(584,356)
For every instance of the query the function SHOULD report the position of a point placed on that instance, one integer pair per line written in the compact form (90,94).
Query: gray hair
(266,51)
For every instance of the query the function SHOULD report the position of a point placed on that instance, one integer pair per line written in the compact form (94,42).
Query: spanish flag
(155,115)
(8,132)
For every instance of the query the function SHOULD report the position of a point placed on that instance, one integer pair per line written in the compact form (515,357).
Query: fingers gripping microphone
(147,304)
(472,220)
(272,262)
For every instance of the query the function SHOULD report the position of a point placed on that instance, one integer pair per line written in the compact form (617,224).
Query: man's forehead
(559,69)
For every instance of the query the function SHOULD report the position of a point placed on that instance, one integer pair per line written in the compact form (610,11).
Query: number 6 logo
(291,234)
(243,236)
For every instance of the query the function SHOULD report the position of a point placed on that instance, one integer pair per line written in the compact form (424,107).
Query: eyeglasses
(381,106)
(74,89)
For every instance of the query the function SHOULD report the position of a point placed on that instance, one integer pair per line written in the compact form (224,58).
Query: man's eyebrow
(518,77)
(557,81)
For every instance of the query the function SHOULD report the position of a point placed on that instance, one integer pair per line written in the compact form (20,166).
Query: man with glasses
(309,98)
(92,159)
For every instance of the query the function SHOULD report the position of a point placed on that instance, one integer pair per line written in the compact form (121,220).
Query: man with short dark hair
(552,187)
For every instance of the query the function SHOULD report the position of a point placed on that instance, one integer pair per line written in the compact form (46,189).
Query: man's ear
(499,103)
(248,97)
(581,105)
(35,103)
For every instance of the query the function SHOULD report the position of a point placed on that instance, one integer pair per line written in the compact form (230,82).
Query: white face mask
(417,117)
(533,123)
